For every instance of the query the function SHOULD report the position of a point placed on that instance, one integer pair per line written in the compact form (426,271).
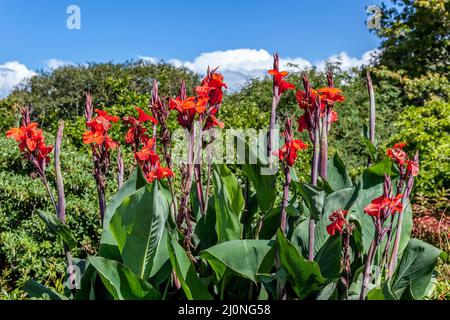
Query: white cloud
(347,62)
(53,64)
(11,74)
(240,65)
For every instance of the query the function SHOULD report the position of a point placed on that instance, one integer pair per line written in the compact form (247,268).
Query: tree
(416,37)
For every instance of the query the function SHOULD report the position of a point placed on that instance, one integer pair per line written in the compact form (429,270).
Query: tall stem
(120,169)
(273,114)
(324,148)
(287,182)
(368,270)
(314,173)
(372,110)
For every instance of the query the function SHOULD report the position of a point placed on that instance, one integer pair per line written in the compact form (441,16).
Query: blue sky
(34,33)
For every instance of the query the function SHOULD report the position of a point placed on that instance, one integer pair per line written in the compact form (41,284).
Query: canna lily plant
(186,230)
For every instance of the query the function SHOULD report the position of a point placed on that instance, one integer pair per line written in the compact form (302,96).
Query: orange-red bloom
(378,205)
(331,95)
(289,151)
(97,132)
(211,87)
(412,167)
(338,222)
(31,142)
(397,154)
(282,84)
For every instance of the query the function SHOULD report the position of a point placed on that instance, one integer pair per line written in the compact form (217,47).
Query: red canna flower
(211,87)
(279,81)
(333,116)
(304,102)
(143,117)
(212,121)
(289,151)
(303,123)
(137,133)
(338,222)
(97,132)
(397,154)
(149,163)
(32,144)
(412,167)
(382,207)
(105,115)
(147,152)
(331,95)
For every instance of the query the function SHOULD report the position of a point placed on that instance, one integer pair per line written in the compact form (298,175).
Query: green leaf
(329,257)
(303,275)
(383,167)
(338,176)
(108,245)
(121,282)
(229,204)
(314,198)
(57,227)
(205,227)
(137,227)
(38,291)
(330,292)
(265,185)
(415,269)
(185,271)
(383,293)
(370,147)
(244,257)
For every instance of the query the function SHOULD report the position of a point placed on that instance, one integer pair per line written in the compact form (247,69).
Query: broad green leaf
(415,269)
(57,227)
(383,293)
(314,198)
(37,290)
(121,282)
(338,176)
(303,275)
(137,227)
(329,257)
(185,271)
(330,292)
(265,185)
(229,204)
(383,167)
(244,257)
(108,246)
(205,227)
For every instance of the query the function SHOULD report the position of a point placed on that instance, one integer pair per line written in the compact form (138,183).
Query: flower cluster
(321,100)
(149,162)
(382,207)
(146,157)
(206,102)
(400,157)
(97,133)
(137,133)
(279,82)
(289,151)
(338,222)
(32,144)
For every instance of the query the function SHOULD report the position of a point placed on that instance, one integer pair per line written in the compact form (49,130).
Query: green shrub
(427,129)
